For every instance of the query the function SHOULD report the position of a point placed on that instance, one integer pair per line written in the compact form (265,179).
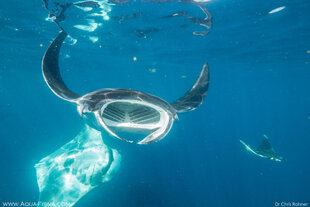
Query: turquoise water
(259,84)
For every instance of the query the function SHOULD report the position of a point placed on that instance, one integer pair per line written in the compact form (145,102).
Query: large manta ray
(126,110)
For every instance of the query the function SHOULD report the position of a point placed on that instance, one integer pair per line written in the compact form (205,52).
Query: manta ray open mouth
(125,112)
(132,115)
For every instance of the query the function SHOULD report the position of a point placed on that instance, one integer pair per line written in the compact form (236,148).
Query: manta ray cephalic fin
(195,96)
(50,69)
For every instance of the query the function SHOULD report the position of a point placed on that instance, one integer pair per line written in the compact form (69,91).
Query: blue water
(259,84)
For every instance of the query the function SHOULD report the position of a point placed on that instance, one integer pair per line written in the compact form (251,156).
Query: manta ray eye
(83,109)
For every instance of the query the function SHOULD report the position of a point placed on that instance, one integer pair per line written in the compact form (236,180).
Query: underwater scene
(155,103)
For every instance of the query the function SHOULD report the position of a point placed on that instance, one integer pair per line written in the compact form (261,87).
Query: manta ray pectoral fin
(248,148)
(265,146)
(194,97)
(50,69)
(255,152)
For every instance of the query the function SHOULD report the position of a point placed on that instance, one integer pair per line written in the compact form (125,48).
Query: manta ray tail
(50,69)
(194,97)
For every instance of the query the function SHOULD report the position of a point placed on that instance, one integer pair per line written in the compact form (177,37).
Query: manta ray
(123,110)
(264,150)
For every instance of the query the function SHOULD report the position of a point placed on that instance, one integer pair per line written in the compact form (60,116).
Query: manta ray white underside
(70,172)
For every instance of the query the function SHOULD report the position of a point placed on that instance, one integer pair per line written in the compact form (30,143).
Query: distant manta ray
(125,110)
(264,150)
